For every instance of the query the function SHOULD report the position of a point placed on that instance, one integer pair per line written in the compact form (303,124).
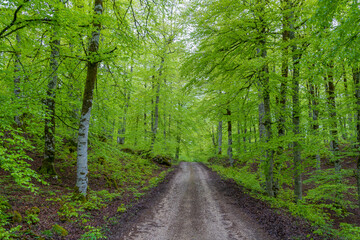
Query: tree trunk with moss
(92,67)
(47,166)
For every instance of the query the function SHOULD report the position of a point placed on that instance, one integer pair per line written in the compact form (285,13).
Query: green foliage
(59,230)
(312,212)
(348,232)
(93,233)
(32,215)
(4,207)
(67,212)
(241,176)
(315,212)
(16,217)
(153,182)
(71,208)
(47,233)
(9,234)
(121,208)
(13,157)
(329,191)
(121,169)
(5,218)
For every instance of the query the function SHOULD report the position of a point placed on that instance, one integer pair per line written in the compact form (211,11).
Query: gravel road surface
(193,209)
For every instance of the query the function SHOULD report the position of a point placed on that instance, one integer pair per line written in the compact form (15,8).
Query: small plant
(93,233)
(9,234)
(16,217)
(47,233)
(67,211)
(121,209)
(32,215)
(59,230)
(4,206)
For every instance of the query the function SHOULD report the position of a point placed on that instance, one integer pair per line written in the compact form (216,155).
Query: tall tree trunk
(238,148)
(145,117)
(17,78)
(169,128)
(284,68)
(164,131)
(122,129)
(229,150)
(156,110)
(178,137)
(261,118)
(136,130)
(220,138)
(334,142)
(156,116)
(356,77)
(152,108)
(47,166)
(213,138)
(245,133)
(349,125)
(92,67)
(265,93)
(296,125)
(315,116)
(178,141)
(262,131)
(296,56)
(255,135)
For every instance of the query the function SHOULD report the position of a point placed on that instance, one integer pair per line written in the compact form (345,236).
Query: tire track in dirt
(193,209)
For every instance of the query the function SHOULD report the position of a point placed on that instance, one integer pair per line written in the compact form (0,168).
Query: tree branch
(14,19)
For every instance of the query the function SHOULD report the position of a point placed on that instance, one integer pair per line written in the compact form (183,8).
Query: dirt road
(193,209)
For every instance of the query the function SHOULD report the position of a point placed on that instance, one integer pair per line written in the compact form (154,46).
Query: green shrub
(4,207)
(13,157)
(93,233)
(121,208)
(242,176)
(67,211)
(59,230)
(349,232)
(329,191)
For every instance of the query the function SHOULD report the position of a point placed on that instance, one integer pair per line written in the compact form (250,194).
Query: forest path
(193,208)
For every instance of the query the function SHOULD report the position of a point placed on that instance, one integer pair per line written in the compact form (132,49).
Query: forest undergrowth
(33,206)
(329,206)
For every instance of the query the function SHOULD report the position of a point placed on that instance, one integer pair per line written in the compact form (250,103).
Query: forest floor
(187,201)
(53,212)
(198,204)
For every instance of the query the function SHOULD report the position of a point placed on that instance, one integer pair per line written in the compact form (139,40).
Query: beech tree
(92,69)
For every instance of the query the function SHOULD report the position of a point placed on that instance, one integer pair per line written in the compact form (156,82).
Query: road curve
(193,209)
